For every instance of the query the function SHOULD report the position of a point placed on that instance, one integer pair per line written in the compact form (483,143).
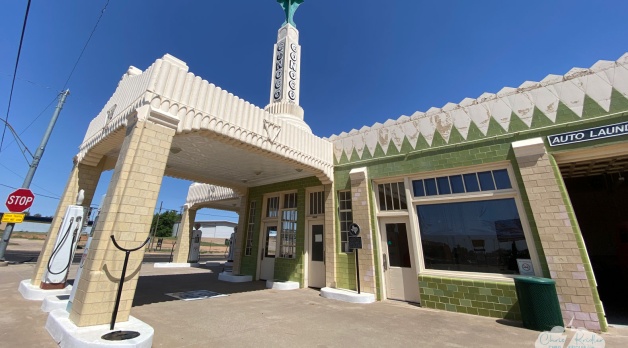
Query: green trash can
(538,303)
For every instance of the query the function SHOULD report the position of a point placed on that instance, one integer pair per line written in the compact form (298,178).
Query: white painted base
(53,302)
(35,293)
(68,335)
(174,265)
(233,278)
(347,295)
(281,285)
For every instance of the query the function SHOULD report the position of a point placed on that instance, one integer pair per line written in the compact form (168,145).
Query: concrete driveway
(252,316)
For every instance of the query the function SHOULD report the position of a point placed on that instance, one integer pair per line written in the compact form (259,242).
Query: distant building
(211,229)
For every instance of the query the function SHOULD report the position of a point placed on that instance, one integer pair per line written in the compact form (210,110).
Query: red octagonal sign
(20,200)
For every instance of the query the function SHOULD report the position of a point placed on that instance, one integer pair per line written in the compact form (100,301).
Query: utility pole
(33,167)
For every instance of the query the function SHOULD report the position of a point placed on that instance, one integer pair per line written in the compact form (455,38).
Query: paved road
(252,316)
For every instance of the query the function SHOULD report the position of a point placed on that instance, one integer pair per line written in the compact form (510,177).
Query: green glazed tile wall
(285,269)
(484,152)
(541,126)
(489,299)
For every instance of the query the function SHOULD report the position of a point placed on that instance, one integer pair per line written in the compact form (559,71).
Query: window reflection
(479,236)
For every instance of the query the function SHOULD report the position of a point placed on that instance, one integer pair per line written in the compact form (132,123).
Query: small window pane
(443,185)
(456,184)
(501,179)
(382,197)
(402,195)
(486,181)
(387,194)
(471,182)
(417,187)
(395,196)
(430,187)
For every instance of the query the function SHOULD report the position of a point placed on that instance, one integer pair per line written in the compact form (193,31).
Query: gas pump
(195,245)
(84,256)
(232,242)
(60,260)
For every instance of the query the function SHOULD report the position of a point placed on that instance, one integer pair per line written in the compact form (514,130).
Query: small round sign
(354,230)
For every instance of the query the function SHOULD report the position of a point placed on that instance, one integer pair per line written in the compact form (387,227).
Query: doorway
(316,255)
(598,192)
(269,250)
(400,272)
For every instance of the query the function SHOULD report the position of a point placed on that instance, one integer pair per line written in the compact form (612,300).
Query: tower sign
(286,74)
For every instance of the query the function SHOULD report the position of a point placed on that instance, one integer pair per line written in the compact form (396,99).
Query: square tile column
(82,177)
(360,205)
(240,234)
(127,214)
(330,237)
(186,226)
(564,248)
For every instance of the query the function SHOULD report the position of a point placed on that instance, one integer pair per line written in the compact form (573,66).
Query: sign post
(31,172)
(355,243)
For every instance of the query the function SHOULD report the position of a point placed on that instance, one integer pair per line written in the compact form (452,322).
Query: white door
(268,252)
(400,272)
(316,258)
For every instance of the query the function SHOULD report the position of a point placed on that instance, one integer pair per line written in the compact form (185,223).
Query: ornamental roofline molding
(169,89)
(596,82)
(204,193)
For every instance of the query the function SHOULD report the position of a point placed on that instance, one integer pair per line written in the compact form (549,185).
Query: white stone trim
(67,334)
(529,147)
(596,82)
(172,91)
(35,293)
(202,193)
(347,295)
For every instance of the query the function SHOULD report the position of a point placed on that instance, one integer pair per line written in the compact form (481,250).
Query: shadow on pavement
(152,289)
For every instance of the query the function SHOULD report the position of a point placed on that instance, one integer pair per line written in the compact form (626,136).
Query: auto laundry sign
(612,130)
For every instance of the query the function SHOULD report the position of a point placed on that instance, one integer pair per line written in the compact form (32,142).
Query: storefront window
(474,236)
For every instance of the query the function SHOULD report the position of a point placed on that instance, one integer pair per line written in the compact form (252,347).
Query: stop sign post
(20,200)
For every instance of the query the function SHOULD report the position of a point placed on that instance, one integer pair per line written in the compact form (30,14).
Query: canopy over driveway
(220,138)
(166,121)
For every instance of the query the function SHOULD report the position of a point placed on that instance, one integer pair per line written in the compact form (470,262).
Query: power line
(17,61)
(20,143)
(9,169)
(29,81)
(38,194)
(30,124)
(102,12)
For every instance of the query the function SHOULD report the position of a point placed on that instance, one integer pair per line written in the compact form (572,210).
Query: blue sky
(362,61)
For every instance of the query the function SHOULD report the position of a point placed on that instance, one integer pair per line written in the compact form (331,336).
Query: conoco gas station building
(452,202)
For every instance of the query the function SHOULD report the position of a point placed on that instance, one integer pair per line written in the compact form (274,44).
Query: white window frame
(308,192)
(342,244)
(278,219)
(391,212)
(513,193)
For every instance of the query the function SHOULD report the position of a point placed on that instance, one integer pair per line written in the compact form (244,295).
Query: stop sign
(20,200)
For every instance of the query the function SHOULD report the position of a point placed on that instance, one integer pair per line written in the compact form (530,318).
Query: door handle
(385,258)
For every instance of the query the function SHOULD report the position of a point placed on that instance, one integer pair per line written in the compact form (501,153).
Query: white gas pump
(60,260)
(232,242)
(195,245)
(84,256)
